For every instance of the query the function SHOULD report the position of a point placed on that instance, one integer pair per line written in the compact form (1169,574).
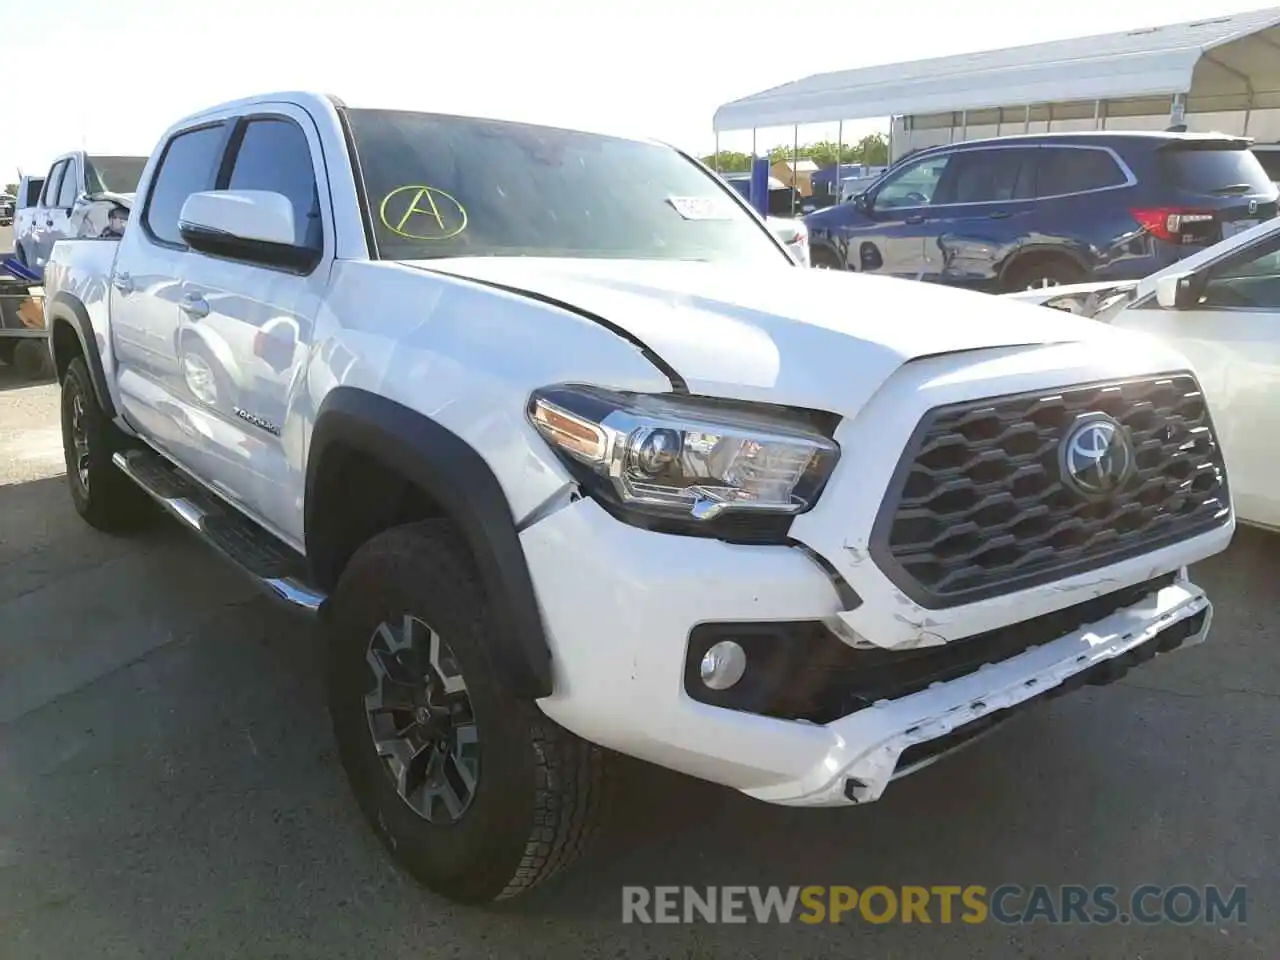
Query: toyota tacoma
(570,459)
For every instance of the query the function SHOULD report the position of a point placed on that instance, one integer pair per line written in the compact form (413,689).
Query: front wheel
(479,796)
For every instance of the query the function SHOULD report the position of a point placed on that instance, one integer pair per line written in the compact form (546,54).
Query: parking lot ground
(168,786)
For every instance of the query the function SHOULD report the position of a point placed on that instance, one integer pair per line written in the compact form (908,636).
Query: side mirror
(860,202)
(1177,291)
(252,225)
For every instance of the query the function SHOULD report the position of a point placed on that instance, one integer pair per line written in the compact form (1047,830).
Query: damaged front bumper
(895,738)
(626,609)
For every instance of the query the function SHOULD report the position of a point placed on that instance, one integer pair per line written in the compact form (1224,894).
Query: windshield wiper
(1234,188)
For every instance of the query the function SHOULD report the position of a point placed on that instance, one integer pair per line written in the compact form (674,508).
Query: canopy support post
(1026,119)
(835,187)
(795,166)
(1097,114)
(964,125)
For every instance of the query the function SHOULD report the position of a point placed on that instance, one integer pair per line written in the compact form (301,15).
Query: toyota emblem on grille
(1096,456)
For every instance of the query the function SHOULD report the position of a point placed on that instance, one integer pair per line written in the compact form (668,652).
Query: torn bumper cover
(629,614)
(893,738)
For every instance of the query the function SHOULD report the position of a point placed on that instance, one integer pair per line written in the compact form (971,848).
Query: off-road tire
(109,500)
(540,791)
(31,359)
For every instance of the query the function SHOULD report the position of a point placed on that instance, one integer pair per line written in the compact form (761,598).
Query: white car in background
(1221,309)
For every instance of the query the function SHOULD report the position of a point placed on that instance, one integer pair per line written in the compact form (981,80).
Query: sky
(110,77)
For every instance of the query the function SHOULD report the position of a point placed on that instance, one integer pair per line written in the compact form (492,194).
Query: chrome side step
(277,569)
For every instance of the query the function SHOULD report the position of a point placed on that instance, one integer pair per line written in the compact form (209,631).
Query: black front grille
(978,506)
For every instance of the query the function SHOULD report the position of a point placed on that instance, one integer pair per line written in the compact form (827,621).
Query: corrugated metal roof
(1152,61)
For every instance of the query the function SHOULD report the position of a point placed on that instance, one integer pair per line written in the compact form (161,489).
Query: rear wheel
(823,259)
(1041,274)
(102,495)
(480,797)
(31,357)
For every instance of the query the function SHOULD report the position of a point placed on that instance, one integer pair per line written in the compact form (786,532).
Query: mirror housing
(1177,291)
(256,226)
(860,202)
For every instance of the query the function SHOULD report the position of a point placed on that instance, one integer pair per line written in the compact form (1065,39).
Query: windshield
(441,186)
(113,174)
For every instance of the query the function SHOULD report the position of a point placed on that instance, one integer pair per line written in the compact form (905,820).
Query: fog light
(723,665)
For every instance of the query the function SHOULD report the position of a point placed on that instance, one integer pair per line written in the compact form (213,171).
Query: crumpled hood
(122,199)
(813,338)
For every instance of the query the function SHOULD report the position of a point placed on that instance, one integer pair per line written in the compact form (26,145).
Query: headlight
(685,458)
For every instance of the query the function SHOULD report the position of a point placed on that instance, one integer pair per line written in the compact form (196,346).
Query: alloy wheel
(80,439)
(421,720)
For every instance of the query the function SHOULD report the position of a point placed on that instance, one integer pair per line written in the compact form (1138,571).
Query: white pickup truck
(566,453)
(83,195)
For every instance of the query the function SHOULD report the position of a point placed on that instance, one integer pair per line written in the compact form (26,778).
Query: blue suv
(1013,213)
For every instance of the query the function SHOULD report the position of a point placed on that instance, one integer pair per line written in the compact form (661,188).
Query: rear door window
(30,193)
(989,176)
(1067,170)
(52,184)
(1215,171)
(70,183)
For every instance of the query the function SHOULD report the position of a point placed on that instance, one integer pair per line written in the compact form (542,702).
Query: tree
(730,162)
(11,189)
(873,150)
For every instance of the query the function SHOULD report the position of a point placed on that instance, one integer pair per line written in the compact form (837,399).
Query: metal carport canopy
(1220,55)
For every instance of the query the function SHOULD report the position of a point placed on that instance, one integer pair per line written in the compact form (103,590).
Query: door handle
(48,223)
(194,306)
(914,220)
(999,214)
(122,282)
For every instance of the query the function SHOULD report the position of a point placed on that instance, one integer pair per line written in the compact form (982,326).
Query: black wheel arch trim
(64,308)
(450,470)
(1046,251)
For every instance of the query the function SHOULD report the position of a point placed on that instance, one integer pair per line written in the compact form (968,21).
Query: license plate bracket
(1232,227)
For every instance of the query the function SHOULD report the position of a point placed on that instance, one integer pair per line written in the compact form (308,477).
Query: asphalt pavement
(168,784)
